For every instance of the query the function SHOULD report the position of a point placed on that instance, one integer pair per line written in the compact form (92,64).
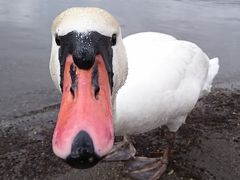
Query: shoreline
(206,147)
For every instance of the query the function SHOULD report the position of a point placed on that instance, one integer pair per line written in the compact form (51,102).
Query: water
(25,34)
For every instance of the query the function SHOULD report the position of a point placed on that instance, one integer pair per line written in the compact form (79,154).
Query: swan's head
(88,65)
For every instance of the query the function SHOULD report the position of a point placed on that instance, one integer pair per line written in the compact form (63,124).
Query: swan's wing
(164,81)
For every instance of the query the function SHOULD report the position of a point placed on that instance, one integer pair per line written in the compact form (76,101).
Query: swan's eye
(114,39)
(57,40)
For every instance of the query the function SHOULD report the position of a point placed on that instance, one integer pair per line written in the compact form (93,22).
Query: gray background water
(25,34)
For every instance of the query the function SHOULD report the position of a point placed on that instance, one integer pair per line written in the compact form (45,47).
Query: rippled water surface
(25,34)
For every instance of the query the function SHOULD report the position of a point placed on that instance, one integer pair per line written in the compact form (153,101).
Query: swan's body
(165,79)
(88,64)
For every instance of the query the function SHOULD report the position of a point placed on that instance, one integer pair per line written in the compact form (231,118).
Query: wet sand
(206,147)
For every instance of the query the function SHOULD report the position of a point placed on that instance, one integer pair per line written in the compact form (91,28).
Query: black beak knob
(83,57)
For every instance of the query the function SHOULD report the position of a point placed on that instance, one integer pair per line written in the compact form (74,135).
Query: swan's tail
(212,72)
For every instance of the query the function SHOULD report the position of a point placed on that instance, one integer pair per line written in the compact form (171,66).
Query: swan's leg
(170,138)
(142,168)
(152,168)
(121,151)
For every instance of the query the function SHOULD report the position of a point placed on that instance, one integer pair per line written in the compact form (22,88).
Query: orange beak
(84,130)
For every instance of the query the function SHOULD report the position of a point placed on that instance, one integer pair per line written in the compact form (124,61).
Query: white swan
(89,64)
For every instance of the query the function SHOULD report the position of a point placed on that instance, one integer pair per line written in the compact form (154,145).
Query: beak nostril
(95,82)
(74,79)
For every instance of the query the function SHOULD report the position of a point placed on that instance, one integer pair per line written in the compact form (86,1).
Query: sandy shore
(207,146)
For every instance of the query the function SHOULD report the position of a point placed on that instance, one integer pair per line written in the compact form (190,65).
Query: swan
(113,86)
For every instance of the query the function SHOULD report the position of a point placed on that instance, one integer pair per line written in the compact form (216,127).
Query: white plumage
(165,79)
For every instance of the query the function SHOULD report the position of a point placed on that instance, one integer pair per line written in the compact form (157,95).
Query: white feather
(54,64)
(85,20)
(165,79)
(212,72)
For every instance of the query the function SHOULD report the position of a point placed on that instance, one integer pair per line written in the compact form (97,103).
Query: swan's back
(165,79)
